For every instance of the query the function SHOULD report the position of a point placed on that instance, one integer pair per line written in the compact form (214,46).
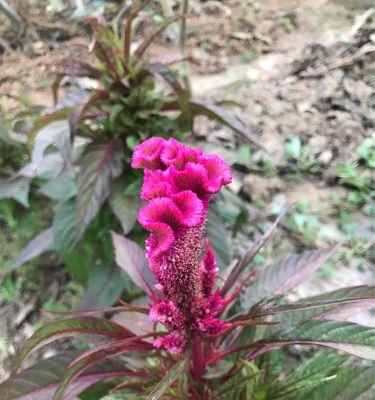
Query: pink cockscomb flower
(178,185)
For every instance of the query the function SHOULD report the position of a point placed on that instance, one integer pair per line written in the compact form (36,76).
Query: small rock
(318,142)
(326,157)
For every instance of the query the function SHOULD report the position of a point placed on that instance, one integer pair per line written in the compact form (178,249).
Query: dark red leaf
(68,327)
(75,371)
(41,380)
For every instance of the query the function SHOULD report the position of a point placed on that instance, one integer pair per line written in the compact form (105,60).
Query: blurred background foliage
(65,179)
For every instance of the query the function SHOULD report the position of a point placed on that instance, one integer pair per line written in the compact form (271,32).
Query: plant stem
(199,365)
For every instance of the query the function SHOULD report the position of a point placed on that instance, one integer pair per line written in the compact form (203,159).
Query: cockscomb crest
(179,182)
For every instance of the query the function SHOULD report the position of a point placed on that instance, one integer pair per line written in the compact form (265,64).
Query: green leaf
(218,236)
(64,226)
(131,258)
(320,368)
(218,369)
(43,122)
(61,188)
(56,133)
(351,382)
(350,338)
(104,287)
(68,327)
(361,298)
(100,163)
(171,376)
(17,189)
(309,305)
(285,274)
(39,245)
(125,209)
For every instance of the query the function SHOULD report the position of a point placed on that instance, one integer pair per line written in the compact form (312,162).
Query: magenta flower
(178,185)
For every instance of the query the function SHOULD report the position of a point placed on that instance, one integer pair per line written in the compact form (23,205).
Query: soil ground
(298,69)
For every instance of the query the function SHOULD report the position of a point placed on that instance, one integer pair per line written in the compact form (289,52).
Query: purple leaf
(131,258)
(68,327)
(353,299)
(331,306)
(75,371)
(40,381)
(285,274)
(347,311)
(100,163)
(138,322)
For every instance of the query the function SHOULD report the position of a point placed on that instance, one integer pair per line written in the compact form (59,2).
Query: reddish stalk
(199,364)
(239,288)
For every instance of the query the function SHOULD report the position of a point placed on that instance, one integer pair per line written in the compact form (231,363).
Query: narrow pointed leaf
(321,367)
(351,382)
(77,370)
(68,327)
(339,308)
(131,258)
(354,339)
(345,302)
(285,274)
(248,256)
(147,42)
(39,245)
(333,304)
(218,114)
(169,378)
(39,382)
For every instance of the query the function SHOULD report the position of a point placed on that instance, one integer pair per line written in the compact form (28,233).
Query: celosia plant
(204,337)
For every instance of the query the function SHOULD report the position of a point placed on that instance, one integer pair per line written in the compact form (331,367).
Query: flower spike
(178,185)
